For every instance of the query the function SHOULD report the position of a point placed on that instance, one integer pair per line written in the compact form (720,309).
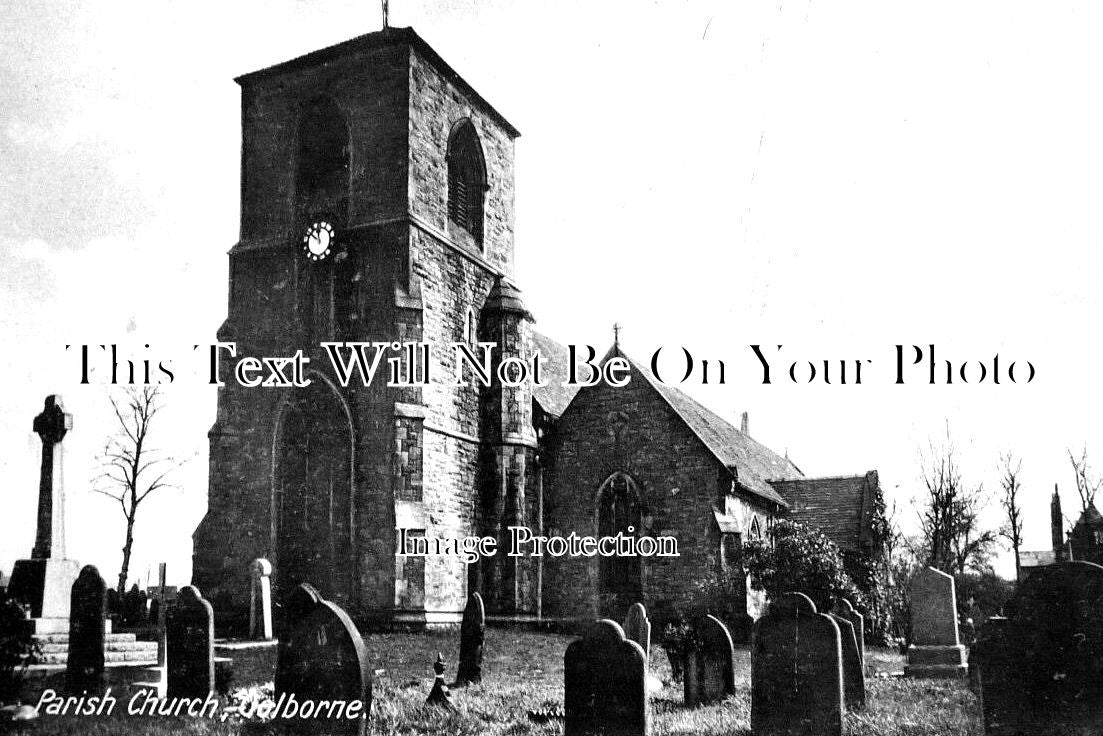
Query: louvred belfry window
(466,181)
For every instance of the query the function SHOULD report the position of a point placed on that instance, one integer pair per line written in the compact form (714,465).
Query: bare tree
(1085,485)
(1012,529)
(949,515)
(131,469)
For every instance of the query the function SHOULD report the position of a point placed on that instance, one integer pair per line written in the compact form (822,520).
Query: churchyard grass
(523,671)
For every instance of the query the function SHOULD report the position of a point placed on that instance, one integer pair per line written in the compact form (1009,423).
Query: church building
(377,191)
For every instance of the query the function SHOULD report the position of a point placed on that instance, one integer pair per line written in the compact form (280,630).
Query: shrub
(17,645)
(799,559)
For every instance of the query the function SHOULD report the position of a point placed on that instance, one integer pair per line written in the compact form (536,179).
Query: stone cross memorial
(260,602)
(472,634)
(710,664)
(1041,668)
(323,658)
(637,627)
(87,629)
(605,684)
(796,671)
(189,631)
(45,581)
(935,649)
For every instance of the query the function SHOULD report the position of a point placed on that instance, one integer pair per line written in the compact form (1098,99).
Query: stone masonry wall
(677,478)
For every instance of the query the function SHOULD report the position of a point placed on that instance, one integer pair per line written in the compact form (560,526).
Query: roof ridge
(661,389)
(820,477)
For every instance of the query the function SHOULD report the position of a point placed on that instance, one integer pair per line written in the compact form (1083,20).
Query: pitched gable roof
(836,506)
(752,462)
(553,396)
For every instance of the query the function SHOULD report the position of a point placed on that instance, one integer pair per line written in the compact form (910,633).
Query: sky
(835,178)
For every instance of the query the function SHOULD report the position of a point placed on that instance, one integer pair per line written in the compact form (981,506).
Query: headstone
(45,581)
(854,676)
(323,657)
(84,663)
(935,649)
(438,696)
(260,602)
(162,611)
(845,609)
(189,632)
(637,627)
(796,671)
(472,634)
(709,664)
(1041,668)
(605,685)
(132,606)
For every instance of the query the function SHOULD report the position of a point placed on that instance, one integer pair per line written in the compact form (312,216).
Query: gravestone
(260,602)
(1041,667)
(854,676)
(796,671)
(84,663)
(472,634)
(132,607)
(323,657)
(845,609)
(637,627)
(935,649)
(605,684)
(162,612)
(709,664)
(45,581)
(189,631)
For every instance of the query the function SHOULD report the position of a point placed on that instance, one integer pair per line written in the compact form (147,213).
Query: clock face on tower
(318,239)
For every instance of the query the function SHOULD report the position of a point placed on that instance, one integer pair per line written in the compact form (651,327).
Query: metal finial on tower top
(616,334)
(386,10)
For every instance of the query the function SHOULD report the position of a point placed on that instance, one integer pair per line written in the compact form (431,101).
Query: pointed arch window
(620,511)
(756,529)
(466,181)
(470,328)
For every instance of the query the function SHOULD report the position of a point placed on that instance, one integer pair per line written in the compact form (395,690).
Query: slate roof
(1091,518)
(553,396)
(753,463)
(836,506)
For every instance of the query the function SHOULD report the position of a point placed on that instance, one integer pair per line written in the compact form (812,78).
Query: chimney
(744,426)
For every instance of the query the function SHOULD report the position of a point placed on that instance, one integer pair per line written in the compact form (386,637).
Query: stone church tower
(376,205)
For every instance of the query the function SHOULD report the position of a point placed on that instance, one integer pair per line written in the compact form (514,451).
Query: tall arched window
(466,180)
(619,512)
(322,160)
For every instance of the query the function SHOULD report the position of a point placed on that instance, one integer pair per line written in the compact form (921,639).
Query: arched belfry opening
(322,160)
(312,483)
(619,511)
(467,182)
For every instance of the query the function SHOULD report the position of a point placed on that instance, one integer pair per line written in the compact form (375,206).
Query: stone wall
(674,472)
(407,277)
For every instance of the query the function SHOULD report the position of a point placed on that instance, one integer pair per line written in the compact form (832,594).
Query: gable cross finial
(386,13)
(616,334)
